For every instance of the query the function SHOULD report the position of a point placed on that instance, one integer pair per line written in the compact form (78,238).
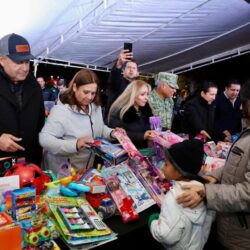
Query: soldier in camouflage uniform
(160,99)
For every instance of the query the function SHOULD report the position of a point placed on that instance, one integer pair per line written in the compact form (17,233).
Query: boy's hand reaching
(192,197)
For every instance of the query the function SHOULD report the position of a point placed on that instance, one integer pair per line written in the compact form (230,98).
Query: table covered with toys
(109,204)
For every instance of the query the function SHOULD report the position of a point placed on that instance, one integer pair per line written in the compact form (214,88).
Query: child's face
(170,171)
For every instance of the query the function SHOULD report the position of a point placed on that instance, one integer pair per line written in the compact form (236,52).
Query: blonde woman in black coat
(131,111)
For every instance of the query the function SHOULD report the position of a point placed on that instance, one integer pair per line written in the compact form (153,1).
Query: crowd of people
(77,118)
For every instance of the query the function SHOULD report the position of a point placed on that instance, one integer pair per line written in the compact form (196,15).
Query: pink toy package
(212,164)
(144,170)
(123,202)
(167,138)
(128,145)
(151,180)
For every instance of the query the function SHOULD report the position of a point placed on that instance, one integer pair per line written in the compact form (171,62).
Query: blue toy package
(23,203)
(112,153)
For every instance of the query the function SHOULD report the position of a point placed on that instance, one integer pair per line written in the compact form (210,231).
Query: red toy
(102,203)
(30,175)
(123,202)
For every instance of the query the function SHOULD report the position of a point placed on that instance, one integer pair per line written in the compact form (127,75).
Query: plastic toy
(75,218)
(38,229)
(79,187)
(123,202)
(102,203)
(30,175)
(73,189)
(155,123)
(6,163)
(62,181)
(65,170)
(92,178)
(167,138)
(67,192)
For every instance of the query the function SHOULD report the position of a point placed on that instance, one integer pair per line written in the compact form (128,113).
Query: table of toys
(85,210)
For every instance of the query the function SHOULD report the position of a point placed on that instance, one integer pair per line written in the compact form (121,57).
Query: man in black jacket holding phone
(123,72)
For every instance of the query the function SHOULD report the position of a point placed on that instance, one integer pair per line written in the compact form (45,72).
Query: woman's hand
(149,135)
(121,130)
(83,142)
(192,197)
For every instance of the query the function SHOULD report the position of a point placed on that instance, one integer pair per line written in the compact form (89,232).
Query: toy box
(149,177)
(114,154)
(81,236)
(131,185)
(75,218)
(23,203)
(167,138)
(123,201)
(11,237)
(92,178)
(146,172)
(212,164)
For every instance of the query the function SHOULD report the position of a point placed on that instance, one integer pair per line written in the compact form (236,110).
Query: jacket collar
(5,90)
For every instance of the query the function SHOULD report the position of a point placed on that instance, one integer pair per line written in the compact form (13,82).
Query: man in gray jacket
(229,194)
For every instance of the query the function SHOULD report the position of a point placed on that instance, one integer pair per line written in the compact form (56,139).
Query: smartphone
(128,46)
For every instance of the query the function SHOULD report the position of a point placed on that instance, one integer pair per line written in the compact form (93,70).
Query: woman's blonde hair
(82,77)
(127,98)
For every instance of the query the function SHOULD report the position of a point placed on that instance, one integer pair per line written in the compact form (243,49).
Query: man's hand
(8,143)
(192,197)
(124,56)
(205,134)
(210,178)
(227,136)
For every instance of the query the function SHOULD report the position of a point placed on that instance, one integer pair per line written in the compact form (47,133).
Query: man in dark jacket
(227,113)
(199,112)
(45,90)
(123,72)
(21,101)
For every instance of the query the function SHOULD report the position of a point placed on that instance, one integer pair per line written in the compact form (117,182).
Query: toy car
(102,203)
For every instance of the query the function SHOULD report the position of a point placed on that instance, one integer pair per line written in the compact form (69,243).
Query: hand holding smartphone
(128,46)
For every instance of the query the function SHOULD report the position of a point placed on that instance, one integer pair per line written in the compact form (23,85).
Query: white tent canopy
(167,35)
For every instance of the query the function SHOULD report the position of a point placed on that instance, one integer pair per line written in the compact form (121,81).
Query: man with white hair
(161,98)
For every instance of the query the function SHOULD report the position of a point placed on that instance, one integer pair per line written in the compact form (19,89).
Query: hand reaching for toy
(121,130)
(205,134)
(150,134)
(83,142)
(227,136)
(8,143)
(192,197)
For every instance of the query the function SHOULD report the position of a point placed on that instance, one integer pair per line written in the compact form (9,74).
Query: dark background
(220,73)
